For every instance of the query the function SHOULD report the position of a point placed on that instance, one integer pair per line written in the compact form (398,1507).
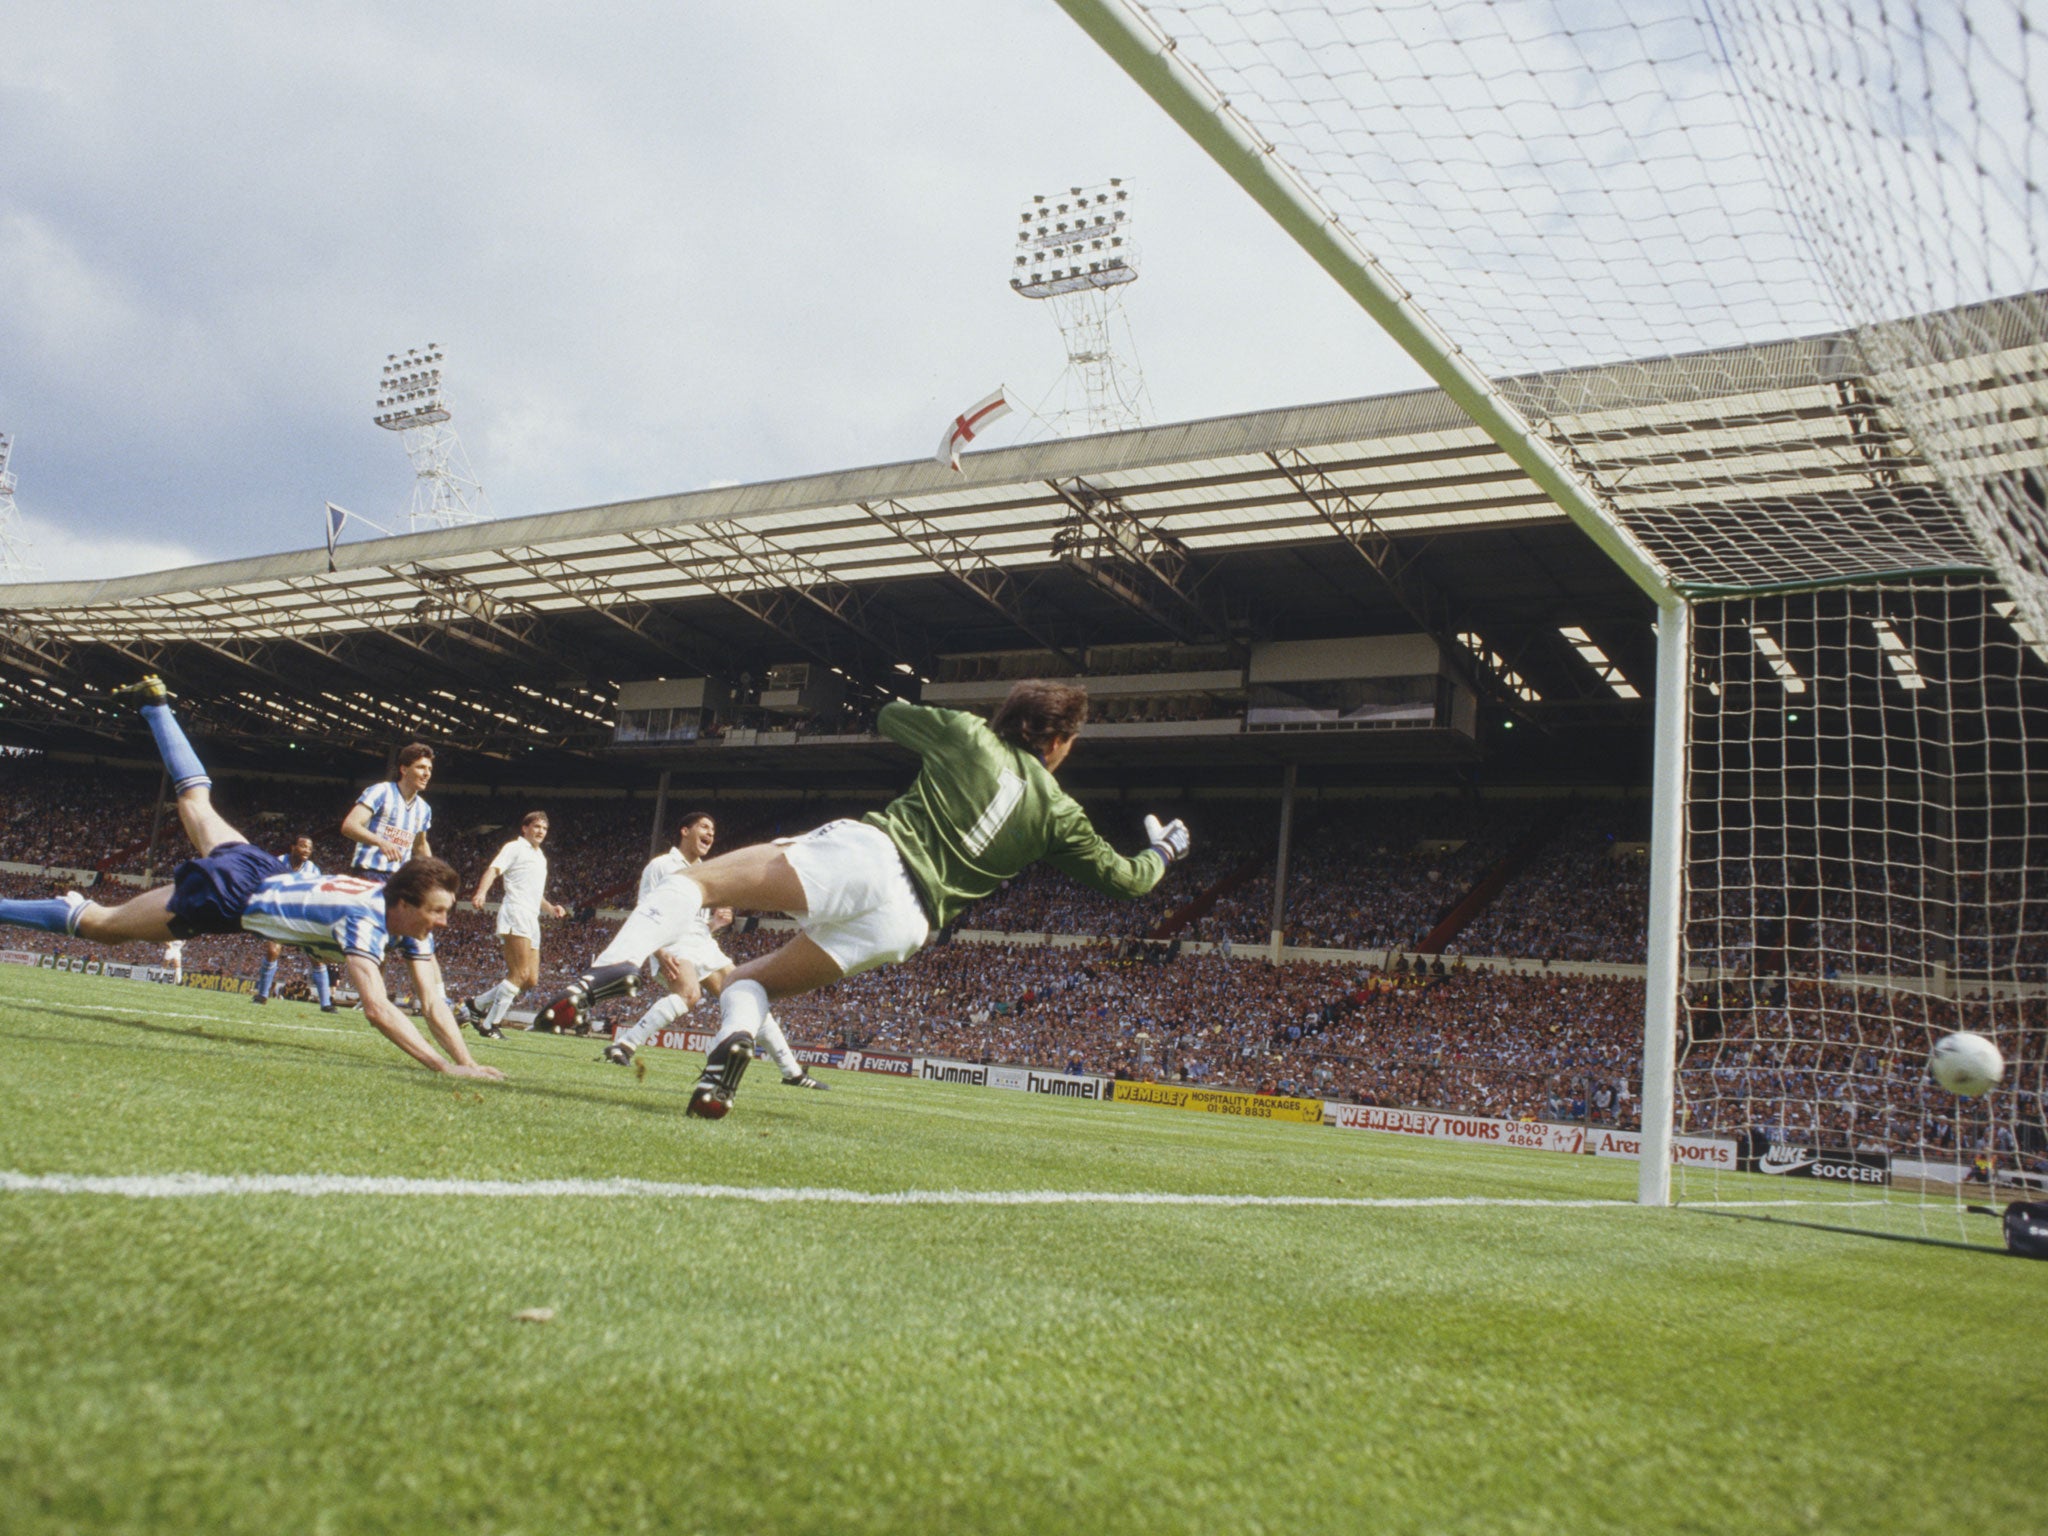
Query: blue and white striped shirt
(307,868)
(390,811)
(328,916)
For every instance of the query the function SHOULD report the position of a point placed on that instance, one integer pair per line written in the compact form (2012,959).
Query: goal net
(1759,286)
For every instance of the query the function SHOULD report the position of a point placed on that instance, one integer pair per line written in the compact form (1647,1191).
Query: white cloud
(661,247)
(68,552)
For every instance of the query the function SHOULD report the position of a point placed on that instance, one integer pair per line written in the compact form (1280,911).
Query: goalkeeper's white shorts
(863,909)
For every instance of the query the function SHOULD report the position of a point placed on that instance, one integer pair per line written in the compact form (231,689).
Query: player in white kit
(524,869)
(696,964)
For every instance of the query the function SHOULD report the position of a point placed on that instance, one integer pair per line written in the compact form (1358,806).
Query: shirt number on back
(348,885)
(1009,791)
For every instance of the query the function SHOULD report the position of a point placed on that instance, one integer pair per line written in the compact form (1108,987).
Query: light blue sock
(56,915)
(320,986)
(180,761)
(265,978)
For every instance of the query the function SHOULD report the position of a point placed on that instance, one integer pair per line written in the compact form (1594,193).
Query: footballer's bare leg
(204,826)
(797,967)
(755,879)
(147,917)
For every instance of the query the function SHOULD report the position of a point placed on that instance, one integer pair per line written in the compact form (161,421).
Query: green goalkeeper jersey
(982,810)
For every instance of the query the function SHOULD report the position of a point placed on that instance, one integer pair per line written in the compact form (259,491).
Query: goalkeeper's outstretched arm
(1077,849)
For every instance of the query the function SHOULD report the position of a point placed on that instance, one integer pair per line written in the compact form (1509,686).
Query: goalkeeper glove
(1170,841)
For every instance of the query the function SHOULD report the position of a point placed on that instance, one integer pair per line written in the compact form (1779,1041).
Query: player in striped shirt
(236,887)
(867,893)
(389,821)
(388,824)
(300,862)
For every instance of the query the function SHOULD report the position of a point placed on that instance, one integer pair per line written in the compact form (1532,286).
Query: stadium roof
(1379,515)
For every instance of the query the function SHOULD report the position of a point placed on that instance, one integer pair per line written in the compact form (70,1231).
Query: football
(1965,1064)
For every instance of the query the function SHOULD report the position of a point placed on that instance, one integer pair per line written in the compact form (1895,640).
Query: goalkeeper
(870,892)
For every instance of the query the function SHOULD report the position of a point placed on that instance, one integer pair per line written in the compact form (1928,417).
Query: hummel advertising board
(1060,1085)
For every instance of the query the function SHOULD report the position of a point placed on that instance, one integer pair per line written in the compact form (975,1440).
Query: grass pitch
(350,1361)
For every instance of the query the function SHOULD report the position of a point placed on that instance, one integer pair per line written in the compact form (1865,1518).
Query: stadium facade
(1368,590)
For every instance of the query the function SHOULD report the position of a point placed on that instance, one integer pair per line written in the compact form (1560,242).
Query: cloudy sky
(663,246)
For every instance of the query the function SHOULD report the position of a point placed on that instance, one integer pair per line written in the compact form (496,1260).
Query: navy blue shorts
(209,894)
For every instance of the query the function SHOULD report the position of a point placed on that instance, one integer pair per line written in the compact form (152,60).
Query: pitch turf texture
(350,1362)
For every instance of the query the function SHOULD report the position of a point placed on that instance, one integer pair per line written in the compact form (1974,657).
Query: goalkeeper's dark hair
(417,877)
(1037,713)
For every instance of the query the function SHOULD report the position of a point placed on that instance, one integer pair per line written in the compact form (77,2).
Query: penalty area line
(188,1186)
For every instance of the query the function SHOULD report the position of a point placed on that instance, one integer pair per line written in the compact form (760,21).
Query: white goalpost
(1753,290)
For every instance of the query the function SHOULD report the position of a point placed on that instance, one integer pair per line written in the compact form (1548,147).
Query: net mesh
(1766,273)
(1864,874)
(1768,276)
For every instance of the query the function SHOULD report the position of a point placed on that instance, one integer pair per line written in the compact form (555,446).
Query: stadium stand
(1253,641)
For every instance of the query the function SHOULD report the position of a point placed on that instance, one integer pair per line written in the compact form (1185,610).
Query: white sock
(653,1021)
(776,1044)
(659,922)
(741,1008)
(503,996)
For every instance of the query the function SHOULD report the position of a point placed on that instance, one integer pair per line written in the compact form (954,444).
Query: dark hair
(417,877)
(531,817)
(690,821)
(408,755)
(1038,713)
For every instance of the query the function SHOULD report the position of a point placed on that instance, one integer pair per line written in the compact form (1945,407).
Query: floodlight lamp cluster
(1074,243)
(409,391)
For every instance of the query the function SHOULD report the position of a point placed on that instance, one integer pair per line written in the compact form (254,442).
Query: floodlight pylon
(17,555)
(412,401)
(1074,251)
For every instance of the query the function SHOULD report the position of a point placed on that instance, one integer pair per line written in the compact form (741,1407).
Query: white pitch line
(185,1186)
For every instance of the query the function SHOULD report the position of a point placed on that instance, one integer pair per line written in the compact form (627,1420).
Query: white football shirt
(524,869)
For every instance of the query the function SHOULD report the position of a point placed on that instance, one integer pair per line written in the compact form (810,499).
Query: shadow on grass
(392,1066)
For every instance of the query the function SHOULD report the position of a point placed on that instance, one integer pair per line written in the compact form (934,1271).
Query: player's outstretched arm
(1075,848)
(394,1026)
(433,995)
(483,886)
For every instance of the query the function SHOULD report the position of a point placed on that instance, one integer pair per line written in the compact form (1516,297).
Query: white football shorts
(864,910)
(520,922)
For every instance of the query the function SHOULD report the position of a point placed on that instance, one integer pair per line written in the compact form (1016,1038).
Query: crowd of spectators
(1872,903)
(1811,1051)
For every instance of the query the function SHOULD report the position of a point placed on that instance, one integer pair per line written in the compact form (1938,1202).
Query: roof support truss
(997,588)
(1124,555)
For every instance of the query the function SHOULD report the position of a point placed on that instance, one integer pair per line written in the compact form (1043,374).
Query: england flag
(967,426)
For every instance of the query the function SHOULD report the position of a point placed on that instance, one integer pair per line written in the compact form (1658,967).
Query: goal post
(1665,950)
(1757,292)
